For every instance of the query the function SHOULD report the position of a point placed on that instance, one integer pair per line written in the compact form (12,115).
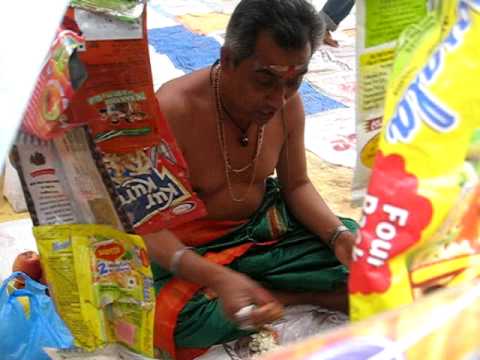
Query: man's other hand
(236,291)
(344,246)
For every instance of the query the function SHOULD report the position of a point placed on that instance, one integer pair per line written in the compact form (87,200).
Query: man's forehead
(288,71)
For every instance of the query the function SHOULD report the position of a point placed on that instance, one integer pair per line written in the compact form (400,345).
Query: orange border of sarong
(173,297)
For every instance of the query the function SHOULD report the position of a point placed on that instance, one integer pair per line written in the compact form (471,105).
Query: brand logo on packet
(144,195)
(38,159)
(394,216)
(42,172)
(61,245)
(115,97)
(183,208)
(110,252)
(418,103)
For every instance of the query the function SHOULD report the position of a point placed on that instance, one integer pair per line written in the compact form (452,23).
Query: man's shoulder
(294,111)
(179,97)
(172,96)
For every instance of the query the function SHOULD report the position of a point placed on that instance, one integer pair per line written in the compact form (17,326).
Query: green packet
(124,10)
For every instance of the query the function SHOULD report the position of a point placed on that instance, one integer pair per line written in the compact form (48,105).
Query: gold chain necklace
(243,140)
(223,145)
(221,133)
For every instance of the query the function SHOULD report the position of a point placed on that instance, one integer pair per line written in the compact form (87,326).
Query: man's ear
(226,58)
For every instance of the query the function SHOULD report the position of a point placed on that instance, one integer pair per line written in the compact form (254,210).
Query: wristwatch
(338,231)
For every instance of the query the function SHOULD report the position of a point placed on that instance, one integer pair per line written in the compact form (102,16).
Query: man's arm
(164,244)
(235,290)
(302,198)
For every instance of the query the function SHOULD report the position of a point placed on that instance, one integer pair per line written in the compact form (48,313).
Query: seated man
(265,242)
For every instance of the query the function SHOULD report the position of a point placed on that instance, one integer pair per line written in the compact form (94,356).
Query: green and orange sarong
(271,248)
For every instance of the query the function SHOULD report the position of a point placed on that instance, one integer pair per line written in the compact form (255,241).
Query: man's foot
(328,40)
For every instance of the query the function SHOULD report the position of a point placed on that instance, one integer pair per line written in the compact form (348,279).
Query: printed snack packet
(46,115)
(102,285)
(118,99)
(420,229)
(63,183)
(153,187)
(379,27)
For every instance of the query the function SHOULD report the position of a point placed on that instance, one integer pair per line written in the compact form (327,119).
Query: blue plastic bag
(22,336)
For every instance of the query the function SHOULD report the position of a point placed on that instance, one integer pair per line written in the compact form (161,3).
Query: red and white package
(45,116)
(153,186)
(117,101)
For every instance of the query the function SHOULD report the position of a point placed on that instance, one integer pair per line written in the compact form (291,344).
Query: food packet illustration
(47,114)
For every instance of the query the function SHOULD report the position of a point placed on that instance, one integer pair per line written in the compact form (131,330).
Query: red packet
(153,189)
(117,100)
(45,116)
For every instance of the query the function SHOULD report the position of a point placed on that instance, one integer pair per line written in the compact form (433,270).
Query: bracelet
(177,256)
(338,231)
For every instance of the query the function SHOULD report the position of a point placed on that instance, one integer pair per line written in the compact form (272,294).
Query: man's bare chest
(208,158)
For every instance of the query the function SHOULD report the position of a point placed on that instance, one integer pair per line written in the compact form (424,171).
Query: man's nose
(278,97)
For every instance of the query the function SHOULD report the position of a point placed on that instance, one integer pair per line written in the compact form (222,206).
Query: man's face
(265,81)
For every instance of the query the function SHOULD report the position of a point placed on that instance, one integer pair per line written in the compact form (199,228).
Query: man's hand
(343,247)
(236,291)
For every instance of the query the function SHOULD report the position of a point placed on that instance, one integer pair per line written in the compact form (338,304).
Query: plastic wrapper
(298,323)
(26,329)
(442,326)
(68,181)
(145,184)
(124,10)
(63,182)
(117,100)
(153,188)
(379,25)
(102,285)
(46,114)
(420,226)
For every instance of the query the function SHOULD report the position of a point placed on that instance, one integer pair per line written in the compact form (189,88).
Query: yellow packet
(421,208)
(101,281)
